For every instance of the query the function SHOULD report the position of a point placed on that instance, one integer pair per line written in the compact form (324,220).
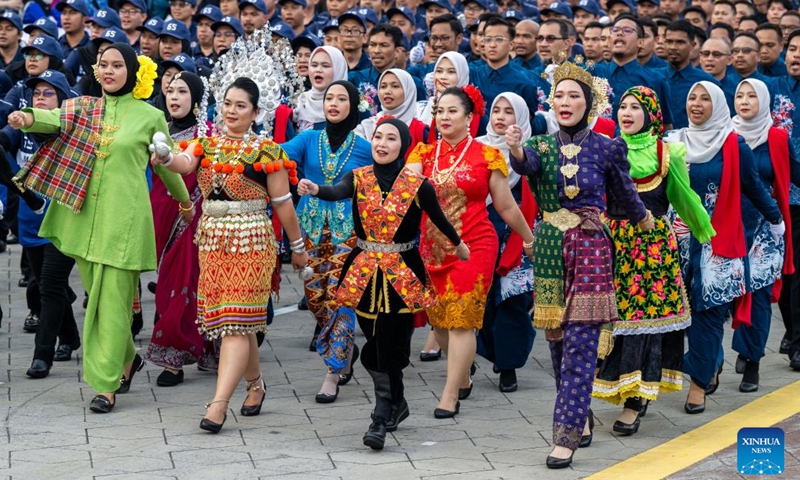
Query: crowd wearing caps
(105,17)
(562,9)
(46,25)
(210,12)
(12,18)
(111,35)
(182,62)
(154,25)
(79,6)
(46,45)
(229,21)
(175,29)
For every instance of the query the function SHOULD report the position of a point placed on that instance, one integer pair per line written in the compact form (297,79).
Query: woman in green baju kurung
(94,170)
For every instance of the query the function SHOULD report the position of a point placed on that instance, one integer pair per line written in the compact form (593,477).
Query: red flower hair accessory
(477,99)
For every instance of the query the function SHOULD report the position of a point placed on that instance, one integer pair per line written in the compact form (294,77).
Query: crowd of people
(623,176)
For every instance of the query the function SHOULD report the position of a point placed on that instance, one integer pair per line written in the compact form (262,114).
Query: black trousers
(506,338)
(388,346)
(56,319)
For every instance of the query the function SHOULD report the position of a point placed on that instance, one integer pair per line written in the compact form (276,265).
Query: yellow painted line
(686,450)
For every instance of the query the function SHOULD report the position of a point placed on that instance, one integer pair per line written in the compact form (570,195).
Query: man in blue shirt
(679,42)
(771,39)
(624,71)
(525,45)
(352,34)
(384,40)
(746,48)
(646,56)
(499,75)
(73,16)
(715,56)
(446,35)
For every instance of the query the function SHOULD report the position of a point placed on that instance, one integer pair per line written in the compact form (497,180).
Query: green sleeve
(172,180)
(44,121)
(685,201)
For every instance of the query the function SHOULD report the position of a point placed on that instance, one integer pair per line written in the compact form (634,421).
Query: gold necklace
(441,176)
(569,170)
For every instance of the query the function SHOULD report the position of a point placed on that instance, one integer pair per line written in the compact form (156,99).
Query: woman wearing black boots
(384,278)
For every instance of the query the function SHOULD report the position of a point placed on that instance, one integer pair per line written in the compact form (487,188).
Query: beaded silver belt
(220,208)
(384,247)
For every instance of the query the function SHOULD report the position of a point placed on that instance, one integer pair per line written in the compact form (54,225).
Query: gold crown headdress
(574,70)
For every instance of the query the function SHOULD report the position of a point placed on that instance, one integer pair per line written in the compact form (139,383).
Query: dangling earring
(96,72)
(196,111)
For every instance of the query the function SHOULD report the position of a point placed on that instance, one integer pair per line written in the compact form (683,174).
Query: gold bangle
(526,244)
(180,207)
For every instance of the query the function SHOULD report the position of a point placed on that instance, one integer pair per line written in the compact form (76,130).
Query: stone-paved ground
(47,430)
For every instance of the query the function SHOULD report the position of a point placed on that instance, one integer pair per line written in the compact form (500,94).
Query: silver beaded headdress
(270,64)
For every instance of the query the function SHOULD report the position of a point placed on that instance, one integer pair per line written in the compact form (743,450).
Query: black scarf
(387,173)
(584,122)
(131,64)
(338,132)
(196,91)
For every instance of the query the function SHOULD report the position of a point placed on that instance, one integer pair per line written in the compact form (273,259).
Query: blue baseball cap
(112,35)
(182,62)
(282,29)
(44,24)
(657,3)
(559,8)
(105,17)
(12,18)
(77,5)
(175,29)
(192,2)
(309,41)
(404,11)
(627,3)
(140,4)
(368,14)
(229,21)
(483,3)
(302,3)
(45,44)
(210,12)
(514,16)
(54,78)
(590,6)
(442,3)
(154,25)
(353,14)
(332,24)
(259,4)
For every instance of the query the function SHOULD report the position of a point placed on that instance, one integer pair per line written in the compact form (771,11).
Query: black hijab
(387,173)
(584,122)
(337,132)
(131,64)
(196,91)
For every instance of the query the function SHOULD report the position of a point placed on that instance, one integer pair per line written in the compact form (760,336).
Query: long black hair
(250,88)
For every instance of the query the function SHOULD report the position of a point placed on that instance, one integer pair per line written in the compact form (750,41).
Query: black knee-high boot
(376,435)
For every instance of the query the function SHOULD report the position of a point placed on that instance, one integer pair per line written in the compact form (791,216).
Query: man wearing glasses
(624,70)
(183,11)
(746,53)
(498,74)
(352,36)
(132,15)
(715,58)
(446,34)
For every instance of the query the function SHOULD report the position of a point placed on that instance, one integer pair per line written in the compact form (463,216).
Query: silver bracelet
(299,250)
(171,158)
(297,243)
(282,199)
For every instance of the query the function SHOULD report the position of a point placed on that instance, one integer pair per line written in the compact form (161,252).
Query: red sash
(605,126)
(282,116)
(727,221)
(778,141)
(512,255)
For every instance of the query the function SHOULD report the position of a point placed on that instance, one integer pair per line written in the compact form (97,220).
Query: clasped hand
(307,187)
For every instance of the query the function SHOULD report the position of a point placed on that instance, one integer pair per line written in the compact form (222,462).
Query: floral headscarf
(649,100)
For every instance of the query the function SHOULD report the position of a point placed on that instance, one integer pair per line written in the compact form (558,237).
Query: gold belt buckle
(562,219)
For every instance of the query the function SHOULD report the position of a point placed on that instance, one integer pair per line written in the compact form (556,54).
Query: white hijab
(755,131)
(405,112)
(493,139)
(704,141)
(462,72)
(309,106)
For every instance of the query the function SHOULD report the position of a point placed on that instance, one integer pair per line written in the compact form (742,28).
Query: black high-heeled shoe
(208,425)
(712,387)
(750,378)
(125,383)
(694,408)
(643,410)
(344,378)
(586,440)
(556,463)
(442,413)
(464,393)
(253,410)
(635,404)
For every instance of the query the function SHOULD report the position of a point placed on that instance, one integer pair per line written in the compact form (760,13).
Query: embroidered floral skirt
(237,259)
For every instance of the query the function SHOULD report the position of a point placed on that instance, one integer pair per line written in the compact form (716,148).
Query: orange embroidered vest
(380,219)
